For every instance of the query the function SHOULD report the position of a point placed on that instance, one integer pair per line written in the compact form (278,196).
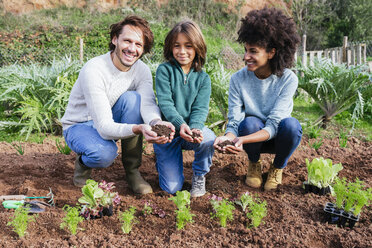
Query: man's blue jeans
(169,160)
(84,139)
(283,145)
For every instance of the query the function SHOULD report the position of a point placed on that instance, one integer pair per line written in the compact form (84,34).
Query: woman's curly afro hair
(271,28)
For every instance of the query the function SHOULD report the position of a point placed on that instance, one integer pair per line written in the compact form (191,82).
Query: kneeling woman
(261,95)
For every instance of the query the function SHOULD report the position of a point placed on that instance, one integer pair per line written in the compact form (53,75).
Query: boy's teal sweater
(183,98)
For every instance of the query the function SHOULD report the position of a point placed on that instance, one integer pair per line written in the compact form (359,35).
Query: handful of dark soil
(162,130)
(225,143)
(195,134)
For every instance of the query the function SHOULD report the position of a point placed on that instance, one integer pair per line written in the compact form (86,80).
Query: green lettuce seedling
(182,201)
(127,220)
(20,220)
(321,172)
(257,211)
(223,210)
(72,218)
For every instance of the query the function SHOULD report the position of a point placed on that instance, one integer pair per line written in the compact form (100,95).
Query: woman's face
(184,52)
(257,60)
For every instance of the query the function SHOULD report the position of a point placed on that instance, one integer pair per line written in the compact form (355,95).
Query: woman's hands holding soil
(193,136)
(228,144)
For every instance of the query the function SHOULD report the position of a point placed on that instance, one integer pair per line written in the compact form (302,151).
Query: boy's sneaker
(198,186)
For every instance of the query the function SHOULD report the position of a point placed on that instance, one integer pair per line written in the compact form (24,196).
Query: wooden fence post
(359,54)
(303,51)
(81,50)
(344,46)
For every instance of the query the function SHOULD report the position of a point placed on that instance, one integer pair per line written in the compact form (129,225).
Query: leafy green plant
(321,172)
(182,201)
(257,211)
(128,219)
(342,139)
(220,78)
(222,209)
(20,220)
(313,132)
(352,196)
(244,200)
(97,196)
(335,88)
(316,144)
(71,219)
(19,148)
(38,94)
(63,147)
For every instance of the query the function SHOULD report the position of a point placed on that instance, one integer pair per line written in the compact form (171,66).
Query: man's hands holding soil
(151,136)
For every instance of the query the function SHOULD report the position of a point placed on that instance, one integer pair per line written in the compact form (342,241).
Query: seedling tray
(339,216)
(309,188)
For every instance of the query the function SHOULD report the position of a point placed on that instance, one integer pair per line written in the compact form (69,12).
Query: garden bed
(294,218)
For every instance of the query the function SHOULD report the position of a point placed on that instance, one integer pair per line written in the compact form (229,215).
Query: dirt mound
(294,219)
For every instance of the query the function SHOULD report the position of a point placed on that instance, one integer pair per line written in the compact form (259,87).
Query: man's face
(128,47)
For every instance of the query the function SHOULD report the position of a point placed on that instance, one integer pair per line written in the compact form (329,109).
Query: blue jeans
(84,139)
(283,145)
(169,160)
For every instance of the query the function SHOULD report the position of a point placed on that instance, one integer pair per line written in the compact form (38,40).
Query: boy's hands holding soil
(193,136)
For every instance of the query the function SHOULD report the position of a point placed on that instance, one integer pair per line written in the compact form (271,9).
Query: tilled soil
(294,219)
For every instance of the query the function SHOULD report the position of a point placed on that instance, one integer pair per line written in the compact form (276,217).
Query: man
(111,99)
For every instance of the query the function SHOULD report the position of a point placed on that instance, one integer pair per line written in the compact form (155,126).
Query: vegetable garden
(323,201)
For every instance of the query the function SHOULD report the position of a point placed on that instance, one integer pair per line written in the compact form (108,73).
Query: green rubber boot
(132,158)
(81,173)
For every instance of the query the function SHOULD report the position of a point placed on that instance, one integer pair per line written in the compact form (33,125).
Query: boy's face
(257,59)
(184,52)
(128,47)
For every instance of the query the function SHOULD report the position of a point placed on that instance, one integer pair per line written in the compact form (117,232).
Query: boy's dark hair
(136,21)
(271,28)
(194,34)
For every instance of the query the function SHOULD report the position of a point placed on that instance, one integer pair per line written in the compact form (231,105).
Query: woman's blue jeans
(84,139)
(169,160)
(283,145)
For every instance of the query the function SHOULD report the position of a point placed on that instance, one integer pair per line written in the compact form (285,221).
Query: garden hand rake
(49,197)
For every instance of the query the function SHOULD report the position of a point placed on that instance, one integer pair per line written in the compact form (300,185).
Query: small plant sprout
(19,148)
(314,132)
(352,196)
(342,140)
(20,220)
(257,211)
(244,200)
(317,144)
(182,201)
(72,218)
(63,147)
(222,209)
(147,209)
(127,220)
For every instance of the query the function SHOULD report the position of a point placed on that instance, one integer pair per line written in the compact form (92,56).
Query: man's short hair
(136,21)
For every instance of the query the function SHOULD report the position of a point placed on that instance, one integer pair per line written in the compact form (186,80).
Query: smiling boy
(112,99)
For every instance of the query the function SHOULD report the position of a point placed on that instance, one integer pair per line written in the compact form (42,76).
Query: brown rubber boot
(274,178)
(254,174)
(81,173)
(132,158)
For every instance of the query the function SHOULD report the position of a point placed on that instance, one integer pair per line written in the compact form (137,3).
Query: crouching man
(113,99)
